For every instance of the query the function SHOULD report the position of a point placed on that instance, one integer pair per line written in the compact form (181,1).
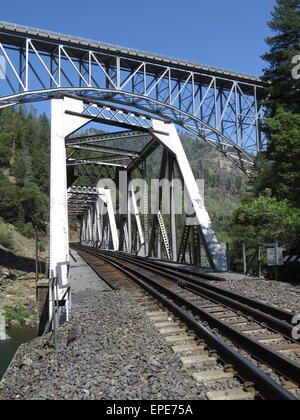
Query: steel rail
(279,363)
(250,307)
(191,277)
(247,371)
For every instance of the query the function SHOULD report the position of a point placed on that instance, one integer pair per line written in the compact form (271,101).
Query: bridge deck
(85,283)
(12,31)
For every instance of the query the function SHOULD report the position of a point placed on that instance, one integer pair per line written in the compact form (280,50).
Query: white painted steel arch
(235,153)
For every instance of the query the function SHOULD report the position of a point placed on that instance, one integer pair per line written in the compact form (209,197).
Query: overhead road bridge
(221,107)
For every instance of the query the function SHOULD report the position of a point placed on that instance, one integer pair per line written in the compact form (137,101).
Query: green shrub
(18,314)
(26,229)
(6,237)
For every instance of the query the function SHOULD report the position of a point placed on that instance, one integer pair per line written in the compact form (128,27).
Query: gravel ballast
(284,295)
(109,350)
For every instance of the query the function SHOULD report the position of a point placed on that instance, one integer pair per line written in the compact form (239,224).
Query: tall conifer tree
(284,46)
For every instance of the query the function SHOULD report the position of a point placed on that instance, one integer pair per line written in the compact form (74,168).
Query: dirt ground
(18,281)
(17,299)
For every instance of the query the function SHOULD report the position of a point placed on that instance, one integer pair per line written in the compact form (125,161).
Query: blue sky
(228,34)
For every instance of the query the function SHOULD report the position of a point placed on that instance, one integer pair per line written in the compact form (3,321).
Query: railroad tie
(291,387)
(231,316)
(191,347)
(160,318)
(172,330)
(198,359)
(266,338)
(180,339)
(217,310)
(287,348)
(213,376)
(257,328)
(231,395)
(164,324)
(153,313)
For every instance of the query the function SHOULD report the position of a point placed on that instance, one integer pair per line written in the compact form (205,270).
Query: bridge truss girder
(134,230)
(221,108)
(101,226)
(98,227)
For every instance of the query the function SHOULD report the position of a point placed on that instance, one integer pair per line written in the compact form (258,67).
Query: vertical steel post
(140,234)
(228,255)
(129,221)
(244,259)
(158,244)
(172,207)
(276,261)
(36,255)
(145,207)
(157,209)
(258,261)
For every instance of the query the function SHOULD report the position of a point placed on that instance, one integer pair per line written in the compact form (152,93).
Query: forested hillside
(24,164)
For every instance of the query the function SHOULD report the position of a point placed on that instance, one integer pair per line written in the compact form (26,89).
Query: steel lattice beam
(77,162)
(220,107)
(109,150)
(99,138)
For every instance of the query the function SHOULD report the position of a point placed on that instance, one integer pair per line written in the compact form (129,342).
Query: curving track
(252,337)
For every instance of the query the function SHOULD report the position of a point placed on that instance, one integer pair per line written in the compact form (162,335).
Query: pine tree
(271,212)
(284,153)
(283,104)
(284,45)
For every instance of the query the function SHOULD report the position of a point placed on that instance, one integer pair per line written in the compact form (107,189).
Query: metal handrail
(97,44)
(54,321)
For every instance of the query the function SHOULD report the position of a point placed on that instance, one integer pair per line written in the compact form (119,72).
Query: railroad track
(249,339)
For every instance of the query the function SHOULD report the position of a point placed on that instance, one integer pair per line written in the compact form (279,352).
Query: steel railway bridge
(146,96)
